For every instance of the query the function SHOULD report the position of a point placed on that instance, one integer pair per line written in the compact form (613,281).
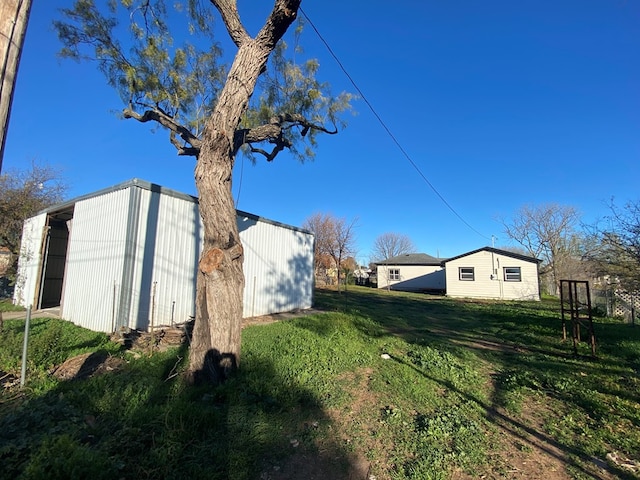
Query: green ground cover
(383,384)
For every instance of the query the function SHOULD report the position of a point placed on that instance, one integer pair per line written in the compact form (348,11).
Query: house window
(512,274)
(466,274)
(394,274)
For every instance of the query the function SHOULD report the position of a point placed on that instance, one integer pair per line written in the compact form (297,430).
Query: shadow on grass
(522,343)
(520,430)
(142,421)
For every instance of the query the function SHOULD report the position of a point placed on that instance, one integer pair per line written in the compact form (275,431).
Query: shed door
(54,255)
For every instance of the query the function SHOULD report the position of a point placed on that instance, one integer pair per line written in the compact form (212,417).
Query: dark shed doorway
(54,255)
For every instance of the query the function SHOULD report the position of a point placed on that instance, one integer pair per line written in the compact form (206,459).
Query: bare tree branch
(547,232)
(273,132)
(390,244)
(166,121)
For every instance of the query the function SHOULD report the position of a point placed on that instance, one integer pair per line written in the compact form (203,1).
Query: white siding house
(412,272)
(492,273)
(127,256)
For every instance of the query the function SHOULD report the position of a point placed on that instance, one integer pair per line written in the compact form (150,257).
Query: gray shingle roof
(506,253)
(412,259)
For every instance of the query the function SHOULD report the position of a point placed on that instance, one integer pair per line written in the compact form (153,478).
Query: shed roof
(412,259)
(498,251)
(136,182)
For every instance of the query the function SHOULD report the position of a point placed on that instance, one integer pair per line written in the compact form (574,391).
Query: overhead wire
(386,128)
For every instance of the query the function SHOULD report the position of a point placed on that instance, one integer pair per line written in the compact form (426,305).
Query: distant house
(127,257)
(492,273)
(413,272)
(361,276)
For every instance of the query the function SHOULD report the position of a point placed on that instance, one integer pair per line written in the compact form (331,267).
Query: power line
(406,155)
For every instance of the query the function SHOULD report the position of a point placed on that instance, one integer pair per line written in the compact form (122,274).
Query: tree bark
(215,347)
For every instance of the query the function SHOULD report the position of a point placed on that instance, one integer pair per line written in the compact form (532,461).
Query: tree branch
(282,16)
(273,132)
(229,11)
(166,121)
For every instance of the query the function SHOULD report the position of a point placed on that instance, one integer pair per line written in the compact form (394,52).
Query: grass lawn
(384,385)
(6,305)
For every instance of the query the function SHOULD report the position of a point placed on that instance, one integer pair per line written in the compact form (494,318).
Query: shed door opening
(54,255)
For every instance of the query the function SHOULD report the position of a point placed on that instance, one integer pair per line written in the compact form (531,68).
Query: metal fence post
(23,373)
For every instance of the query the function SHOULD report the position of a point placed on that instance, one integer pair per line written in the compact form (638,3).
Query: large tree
(211,113)
(391,244)
(547,232)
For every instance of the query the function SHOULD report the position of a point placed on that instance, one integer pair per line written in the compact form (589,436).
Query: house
(362,276)
(413,272)
(126,258)
(492,273)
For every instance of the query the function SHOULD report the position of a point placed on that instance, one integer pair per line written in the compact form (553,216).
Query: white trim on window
(466,274)
(394,274)
(512,274)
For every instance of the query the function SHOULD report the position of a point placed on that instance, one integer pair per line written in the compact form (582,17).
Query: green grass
(6,305)
(51,341)
(419,386)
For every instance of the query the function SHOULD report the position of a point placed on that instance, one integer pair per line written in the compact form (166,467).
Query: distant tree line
(607,251)
(572,250)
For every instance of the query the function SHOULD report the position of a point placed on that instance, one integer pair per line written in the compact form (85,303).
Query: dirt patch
(519,448)
(277,317)
(329,460)
(355,423)
(328,464)
(87,365)
(8,380)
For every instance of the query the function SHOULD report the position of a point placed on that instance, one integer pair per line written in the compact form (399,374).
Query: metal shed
(127,256)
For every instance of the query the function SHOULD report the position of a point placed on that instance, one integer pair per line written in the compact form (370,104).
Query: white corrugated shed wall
(95,257)
(167,252)
(133,254)
(29,261)
(278,267)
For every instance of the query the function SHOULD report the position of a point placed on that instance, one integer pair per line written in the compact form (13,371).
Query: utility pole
(14,15)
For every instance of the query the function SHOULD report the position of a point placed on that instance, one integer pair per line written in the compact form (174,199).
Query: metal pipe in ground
(23,373)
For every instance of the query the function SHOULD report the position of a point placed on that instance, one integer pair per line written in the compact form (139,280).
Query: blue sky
(498,103)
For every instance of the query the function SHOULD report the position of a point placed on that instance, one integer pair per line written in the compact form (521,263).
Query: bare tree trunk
(215,348)
(14,15)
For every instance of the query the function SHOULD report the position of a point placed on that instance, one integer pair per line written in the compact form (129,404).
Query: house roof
(498,251)
(137,182)
(412,259)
